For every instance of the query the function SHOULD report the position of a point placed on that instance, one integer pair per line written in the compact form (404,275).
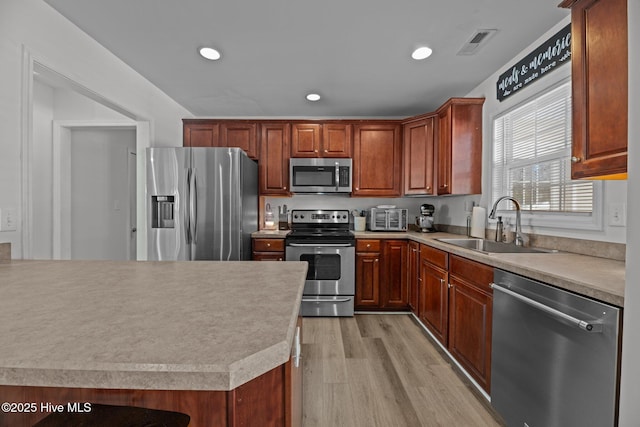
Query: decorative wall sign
(546,58)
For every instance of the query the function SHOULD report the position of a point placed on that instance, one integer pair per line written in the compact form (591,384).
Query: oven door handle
(319,300)
(321,245)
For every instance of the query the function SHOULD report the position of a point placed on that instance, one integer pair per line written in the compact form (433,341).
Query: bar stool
(115,416)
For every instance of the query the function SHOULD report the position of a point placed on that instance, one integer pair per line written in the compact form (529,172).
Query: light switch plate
(617,214)
(8,219)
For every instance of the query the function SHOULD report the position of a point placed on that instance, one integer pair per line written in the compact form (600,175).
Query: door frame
(61,183)
(35,62)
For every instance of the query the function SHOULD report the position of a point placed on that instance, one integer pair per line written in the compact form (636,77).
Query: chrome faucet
(519,239)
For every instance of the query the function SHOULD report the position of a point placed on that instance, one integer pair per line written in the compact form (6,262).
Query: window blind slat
(531,156)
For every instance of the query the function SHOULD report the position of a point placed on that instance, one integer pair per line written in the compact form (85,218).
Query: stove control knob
(295,216)
(301,216)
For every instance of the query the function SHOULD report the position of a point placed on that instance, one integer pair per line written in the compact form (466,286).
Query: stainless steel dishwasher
(554,356)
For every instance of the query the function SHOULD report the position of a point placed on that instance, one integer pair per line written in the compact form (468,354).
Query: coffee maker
(425,219)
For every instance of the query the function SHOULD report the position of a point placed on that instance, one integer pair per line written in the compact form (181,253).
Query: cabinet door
(305,140)
(367,280)
(273,165)
(377,160)
(241,135)
(394,286)
(337,140)
(434,299)
(413,275)
(599,81)
(443,162)
(418,148)
(200,134)
(470,329)
(459,147)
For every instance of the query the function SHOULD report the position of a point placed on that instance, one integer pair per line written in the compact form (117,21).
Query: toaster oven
(387,219)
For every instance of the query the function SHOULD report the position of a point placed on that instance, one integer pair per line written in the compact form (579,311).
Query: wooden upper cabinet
(216,133)
(337,140)
(418,146)
(273,165)
(321,140)
(377,160)
(599,51)
(459,147)
(197,133)
(240,134)
(305,139)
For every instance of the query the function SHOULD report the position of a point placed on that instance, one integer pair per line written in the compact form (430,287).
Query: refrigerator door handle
(187,216)
(193,206)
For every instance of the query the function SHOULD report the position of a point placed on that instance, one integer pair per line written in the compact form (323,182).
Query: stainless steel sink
(490,246)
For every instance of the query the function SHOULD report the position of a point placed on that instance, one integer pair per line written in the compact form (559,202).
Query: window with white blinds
(531,157)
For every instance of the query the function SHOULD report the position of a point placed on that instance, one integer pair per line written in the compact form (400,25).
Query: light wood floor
(381,370)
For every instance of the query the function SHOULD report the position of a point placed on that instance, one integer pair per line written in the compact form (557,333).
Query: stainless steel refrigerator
(202,203)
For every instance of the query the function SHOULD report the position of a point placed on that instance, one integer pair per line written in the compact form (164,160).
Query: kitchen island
(209,339)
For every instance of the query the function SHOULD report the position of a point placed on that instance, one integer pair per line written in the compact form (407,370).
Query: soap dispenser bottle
(499,237)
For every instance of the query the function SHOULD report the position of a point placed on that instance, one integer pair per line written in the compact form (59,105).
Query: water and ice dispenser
(163,211)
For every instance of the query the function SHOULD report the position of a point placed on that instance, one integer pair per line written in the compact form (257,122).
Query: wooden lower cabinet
(394,286)
(267,249)
(434,292)
(455,304)
(470,308)
(267,400)
(413,276)
(381,275)
(367,274)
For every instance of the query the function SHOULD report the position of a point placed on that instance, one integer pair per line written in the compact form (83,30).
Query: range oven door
(330,286)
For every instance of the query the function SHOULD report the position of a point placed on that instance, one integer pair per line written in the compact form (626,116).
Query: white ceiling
(355,53)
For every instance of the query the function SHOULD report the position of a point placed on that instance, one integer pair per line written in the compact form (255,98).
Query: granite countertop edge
(225,376)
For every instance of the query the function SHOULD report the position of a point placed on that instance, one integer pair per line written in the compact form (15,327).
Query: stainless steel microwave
(320,175)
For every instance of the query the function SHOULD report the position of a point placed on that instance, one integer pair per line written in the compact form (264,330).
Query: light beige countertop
(270,234)
(599,278)
(595,277)
(146,325)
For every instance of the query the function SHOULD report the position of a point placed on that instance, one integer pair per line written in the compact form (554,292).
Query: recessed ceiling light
(210,53)
(313,97)
(421,53)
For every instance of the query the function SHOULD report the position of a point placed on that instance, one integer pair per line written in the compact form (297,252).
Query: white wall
(100,193)
(33,29)
(614,191)
(630,392)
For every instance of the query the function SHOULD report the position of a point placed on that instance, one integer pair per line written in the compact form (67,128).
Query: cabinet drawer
(367,245)
(435,256)
(475,273)
(268,245)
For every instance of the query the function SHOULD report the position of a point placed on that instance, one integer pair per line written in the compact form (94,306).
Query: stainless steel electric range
(322,238)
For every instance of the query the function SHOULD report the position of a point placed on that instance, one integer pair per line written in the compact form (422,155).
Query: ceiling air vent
(476,41)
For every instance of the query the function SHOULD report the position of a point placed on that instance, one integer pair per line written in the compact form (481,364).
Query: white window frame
(565,220)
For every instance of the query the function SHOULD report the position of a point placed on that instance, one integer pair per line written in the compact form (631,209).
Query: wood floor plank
(382,370)
(312,393)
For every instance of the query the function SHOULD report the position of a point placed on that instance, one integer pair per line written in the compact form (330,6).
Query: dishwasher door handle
(582,324)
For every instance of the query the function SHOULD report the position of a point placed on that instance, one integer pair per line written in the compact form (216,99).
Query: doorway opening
(83,180)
